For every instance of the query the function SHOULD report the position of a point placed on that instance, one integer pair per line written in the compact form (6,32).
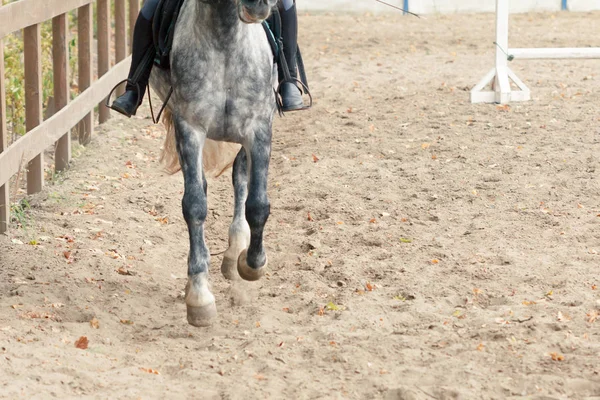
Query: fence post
(85,32)
(33,101)
(134,10)
(61,86)
(104,30)
(4,199)
(120,35)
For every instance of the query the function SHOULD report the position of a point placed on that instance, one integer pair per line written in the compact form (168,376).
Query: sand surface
(434,250)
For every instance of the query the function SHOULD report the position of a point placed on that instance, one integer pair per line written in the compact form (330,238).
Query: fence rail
(27,16)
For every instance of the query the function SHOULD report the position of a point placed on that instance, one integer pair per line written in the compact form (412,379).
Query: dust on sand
(420,246)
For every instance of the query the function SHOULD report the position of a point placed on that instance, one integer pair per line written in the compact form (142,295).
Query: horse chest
(225,100)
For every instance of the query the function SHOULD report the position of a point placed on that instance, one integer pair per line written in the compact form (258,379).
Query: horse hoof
(248,273)
(201,316)
(229,268)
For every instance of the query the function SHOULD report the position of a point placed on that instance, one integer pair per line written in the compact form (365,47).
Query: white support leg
(501,75)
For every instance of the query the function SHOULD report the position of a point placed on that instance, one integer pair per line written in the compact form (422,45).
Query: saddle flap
(163,27)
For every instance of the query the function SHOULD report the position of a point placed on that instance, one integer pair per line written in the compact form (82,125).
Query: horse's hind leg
(239,231)
(200,301)
(252,262)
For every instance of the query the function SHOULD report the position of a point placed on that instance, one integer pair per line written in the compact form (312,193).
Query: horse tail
(169,155)
(217,157)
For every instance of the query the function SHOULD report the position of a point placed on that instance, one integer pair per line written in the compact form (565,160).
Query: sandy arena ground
(420,247)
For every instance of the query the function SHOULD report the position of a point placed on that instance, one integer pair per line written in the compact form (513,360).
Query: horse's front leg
(253,261)
(200,301)
(239,231)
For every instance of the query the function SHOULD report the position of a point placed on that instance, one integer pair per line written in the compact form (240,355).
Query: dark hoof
(201,316)
(248,273)
(291,97)
(126,104)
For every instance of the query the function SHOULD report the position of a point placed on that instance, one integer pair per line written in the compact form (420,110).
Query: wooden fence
(27,153)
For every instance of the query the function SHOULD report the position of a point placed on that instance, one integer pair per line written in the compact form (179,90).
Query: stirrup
(138,87)
(304,90)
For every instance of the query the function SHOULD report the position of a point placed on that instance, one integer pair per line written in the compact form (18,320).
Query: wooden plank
(120,36)
(23,13)
(104,31)
(85,32)
(33,101)
(60,57)
(38,139)
(4,199)
(134,11)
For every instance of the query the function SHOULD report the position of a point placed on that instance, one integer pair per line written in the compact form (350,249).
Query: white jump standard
(501,75)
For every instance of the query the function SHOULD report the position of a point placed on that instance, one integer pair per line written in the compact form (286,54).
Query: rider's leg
(128,103)
(290,93)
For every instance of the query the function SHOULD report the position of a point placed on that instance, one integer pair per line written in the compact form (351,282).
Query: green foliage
(19,213)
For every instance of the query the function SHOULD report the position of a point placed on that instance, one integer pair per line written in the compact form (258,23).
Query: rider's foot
(291,97)
(127,104)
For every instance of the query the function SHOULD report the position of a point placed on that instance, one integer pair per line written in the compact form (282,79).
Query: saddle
(163,29)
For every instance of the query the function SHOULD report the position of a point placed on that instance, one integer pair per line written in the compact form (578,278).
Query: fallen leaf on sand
(123,271)
(163,221)
(95,323)
(557,357)
(333,307)
(150,371)
(82,343)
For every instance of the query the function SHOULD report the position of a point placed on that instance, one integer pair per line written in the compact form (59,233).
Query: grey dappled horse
(223,75)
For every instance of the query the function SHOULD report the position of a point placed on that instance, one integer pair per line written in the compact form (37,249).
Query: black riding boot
(291,95)
(128,103)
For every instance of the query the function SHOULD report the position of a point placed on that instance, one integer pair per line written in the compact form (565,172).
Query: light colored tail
(217,157)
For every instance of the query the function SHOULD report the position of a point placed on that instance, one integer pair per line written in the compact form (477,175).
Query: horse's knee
(257,211)
(194,207)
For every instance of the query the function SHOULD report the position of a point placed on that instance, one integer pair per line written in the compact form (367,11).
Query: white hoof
(246,272)
(200,302)
(201,316)
(229,268)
